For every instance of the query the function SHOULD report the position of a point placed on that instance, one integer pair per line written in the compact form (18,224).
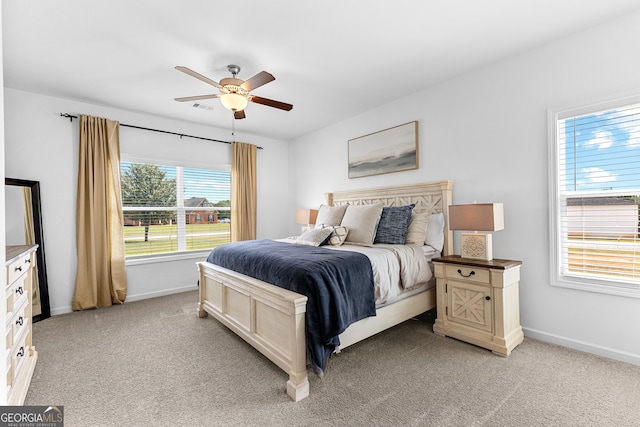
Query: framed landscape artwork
(390,150)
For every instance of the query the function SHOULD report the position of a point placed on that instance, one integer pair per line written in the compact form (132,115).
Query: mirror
(21,195)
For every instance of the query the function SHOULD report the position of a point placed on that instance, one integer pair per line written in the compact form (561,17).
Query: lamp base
(476,246)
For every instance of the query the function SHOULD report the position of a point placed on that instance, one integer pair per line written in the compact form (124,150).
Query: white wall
(42,146)
(487,131)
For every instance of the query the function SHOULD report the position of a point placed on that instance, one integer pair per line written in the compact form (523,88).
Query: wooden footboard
(269,318)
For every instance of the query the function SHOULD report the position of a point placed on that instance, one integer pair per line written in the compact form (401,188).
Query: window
(595,197)
(163,208)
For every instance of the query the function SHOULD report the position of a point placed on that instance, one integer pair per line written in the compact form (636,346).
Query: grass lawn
(164,238)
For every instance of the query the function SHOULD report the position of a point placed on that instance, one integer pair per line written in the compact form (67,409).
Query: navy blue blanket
(338,284)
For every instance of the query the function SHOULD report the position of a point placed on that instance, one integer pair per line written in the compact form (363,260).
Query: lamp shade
(476,217)
(306,216)
(233,101)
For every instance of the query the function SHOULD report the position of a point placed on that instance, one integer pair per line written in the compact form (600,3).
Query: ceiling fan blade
(198,76)
(195,98)
(262,78)
(239,115)
(271,103)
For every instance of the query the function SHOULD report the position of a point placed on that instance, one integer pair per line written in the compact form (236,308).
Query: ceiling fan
(234,93)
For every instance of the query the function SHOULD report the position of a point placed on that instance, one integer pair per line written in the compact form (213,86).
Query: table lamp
(306,217)
(476,217)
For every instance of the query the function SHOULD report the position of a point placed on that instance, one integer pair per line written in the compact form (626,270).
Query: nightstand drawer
(474,274)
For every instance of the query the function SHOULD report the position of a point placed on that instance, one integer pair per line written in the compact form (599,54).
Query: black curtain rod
(71,117)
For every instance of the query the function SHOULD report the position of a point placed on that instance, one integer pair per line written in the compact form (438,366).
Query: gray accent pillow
(330,215)
(362,222)
(394,224)
(338,234)
(314,237)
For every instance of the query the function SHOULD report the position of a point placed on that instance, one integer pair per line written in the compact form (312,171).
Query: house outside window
(594,197)
(163,208)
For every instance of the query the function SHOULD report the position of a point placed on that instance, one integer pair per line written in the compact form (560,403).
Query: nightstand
(478,302)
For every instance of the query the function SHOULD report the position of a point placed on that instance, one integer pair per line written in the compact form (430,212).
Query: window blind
(173,208)
(598,183)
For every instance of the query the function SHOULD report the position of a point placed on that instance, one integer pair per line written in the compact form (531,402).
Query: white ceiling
(332,59)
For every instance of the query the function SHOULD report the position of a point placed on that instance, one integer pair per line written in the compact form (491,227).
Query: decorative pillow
(338,234)
(393,225)
(417,230)
(330,215)
(362,222)
(435,232)
(314,237)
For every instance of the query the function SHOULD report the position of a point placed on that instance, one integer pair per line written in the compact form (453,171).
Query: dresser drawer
(20,322)
(17,294)
(19,355)
(18,267)
(474,274)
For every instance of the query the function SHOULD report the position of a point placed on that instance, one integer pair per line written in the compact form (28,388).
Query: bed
(272,319)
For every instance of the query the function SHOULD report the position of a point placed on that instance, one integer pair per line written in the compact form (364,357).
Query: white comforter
(396,268)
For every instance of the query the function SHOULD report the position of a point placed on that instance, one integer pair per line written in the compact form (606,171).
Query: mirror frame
(43,286)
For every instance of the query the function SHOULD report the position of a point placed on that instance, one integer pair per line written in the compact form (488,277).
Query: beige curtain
(30,239)
(243,191)
(101,278)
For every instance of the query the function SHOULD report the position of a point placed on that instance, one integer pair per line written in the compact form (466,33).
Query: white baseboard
(610,353)
(132,298)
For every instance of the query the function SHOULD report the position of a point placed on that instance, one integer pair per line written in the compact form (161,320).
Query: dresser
(21,355)
(478,302)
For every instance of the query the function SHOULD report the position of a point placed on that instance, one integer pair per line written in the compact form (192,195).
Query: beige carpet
(155,363)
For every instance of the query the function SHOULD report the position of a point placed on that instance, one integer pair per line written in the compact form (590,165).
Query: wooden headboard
(431,197)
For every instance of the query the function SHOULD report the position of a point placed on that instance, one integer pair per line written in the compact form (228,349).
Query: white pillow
(417,231)
(330,215)
(362,222)
(435,231)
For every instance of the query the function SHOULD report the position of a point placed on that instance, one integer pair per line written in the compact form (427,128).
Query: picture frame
(391,150)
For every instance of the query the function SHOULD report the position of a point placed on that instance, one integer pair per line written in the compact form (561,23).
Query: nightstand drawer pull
(20,321)
(468,275)
(488,298)
(21,352)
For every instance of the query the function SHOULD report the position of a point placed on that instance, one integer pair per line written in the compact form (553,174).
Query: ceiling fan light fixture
(233,101)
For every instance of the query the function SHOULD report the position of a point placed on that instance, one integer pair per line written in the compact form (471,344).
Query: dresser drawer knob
(19,290)
(20,321)
(468,275)
(27,261)
(20,352)
(18,268)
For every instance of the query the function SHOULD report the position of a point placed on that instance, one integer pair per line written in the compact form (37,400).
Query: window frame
(178,255)
(590,284)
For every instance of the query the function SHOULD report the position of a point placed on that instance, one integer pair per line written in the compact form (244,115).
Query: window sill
(610,289)
(178,256)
